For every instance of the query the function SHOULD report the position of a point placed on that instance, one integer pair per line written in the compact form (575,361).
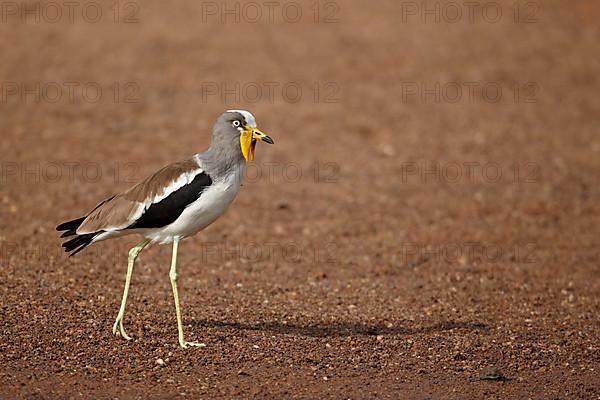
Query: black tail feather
(67,234)
(70,227)
(79,242)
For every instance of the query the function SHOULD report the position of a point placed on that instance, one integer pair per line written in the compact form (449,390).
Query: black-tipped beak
(267,139)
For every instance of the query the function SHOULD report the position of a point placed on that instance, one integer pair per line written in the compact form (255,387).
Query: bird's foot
(119,324)
(185,344)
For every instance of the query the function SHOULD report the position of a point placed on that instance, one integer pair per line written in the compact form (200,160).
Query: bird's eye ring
(236,123)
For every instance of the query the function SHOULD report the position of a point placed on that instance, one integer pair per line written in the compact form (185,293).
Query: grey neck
(223,157)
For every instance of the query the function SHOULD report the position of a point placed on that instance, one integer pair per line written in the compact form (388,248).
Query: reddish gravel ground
(437,245)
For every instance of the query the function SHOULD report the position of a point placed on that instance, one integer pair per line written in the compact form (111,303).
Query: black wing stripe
(79,242)
(170,208)
(70,226)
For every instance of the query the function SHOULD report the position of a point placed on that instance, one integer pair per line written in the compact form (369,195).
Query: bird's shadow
(340,328)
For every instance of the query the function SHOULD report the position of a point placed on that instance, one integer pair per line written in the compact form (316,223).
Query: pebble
(491,373)
(160,362)
(283,206)
(387,150)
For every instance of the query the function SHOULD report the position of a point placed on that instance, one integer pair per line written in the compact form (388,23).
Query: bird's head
(242,125)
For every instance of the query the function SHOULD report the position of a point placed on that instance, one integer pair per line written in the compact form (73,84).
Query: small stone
(491,373)
(387,150)
(283,206)
(321,275)
(160,362)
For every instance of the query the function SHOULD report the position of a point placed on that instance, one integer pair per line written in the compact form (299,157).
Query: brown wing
(124,209)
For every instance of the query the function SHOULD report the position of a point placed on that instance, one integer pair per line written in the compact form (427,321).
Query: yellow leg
(133,253)
(173,278)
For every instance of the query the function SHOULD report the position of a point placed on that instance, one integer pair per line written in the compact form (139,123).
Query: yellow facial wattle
(248,138)
(246,144)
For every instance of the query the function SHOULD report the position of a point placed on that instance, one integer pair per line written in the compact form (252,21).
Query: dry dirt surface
(425,226)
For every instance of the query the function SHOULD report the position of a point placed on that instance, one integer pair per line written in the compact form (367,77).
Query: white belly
(211,205)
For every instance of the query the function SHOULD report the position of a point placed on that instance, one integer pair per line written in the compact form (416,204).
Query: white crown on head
(250,120)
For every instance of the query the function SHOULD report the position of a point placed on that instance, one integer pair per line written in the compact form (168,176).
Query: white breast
(211,205)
